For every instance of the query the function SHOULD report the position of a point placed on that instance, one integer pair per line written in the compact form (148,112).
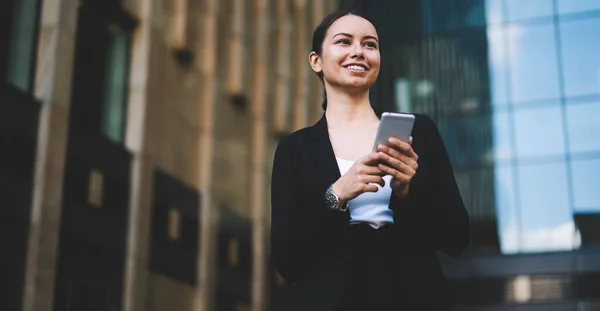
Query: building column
(141,85)
(235,77)
(300,65)
(258,149)
(207,60)
(281,105)
(53,88)
(318,9)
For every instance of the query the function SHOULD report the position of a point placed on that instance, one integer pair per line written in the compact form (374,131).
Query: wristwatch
(332,201)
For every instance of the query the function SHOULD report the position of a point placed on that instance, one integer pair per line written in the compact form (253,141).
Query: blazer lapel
(323,151)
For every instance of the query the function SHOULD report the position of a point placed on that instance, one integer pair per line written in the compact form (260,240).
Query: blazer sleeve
(451,229)
(303,230)
(435,204)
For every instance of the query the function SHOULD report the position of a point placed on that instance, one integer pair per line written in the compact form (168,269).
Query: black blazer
(309,243)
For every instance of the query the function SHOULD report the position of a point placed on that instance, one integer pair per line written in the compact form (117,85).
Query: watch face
(331,200)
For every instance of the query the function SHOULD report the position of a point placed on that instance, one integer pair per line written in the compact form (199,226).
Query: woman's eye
(371,44)
(344,41)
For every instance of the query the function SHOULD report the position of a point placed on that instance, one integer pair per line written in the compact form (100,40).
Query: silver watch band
(333,201)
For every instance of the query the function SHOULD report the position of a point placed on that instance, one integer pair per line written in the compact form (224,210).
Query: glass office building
(514,86)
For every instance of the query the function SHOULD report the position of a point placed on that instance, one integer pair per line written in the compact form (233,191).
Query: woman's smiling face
(350,57)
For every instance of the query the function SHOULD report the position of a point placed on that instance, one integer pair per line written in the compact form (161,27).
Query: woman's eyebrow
(351,36)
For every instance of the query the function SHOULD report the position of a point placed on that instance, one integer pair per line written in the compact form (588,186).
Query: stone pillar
(259,156)
(300,65)
(318,9)
(141,88)
(53,88)
(207,60)
(281,106)
(235,77)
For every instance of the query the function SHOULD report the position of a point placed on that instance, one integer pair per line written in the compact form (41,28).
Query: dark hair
(319,37)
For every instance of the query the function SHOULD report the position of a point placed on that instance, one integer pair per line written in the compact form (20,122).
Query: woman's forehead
(352,25)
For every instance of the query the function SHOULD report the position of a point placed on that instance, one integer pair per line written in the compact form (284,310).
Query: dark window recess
(175,228)
(234,259)
(94,221)
(101,72)
(19,23)
(19,114)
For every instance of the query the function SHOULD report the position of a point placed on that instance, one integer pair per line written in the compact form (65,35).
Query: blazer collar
(323,150)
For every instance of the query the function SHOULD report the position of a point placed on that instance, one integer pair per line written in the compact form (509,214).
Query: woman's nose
(357,52)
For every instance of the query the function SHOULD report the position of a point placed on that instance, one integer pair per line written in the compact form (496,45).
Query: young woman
(354,229)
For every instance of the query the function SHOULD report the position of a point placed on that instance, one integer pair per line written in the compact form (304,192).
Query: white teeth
(355,67)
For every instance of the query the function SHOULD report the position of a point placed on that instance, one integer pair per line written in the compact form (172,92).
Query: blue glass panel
(539,132)
(452,14)
(498,64)
(494,11)
(586,184)
(546,217)
(581,64)
(573,6)
(527,9)
(506,208)
(584,127)
(533,70)
(502,136)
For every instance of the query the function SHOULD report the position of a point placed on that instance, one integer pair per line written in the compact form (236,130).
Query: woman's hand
(361,177)
(400,161)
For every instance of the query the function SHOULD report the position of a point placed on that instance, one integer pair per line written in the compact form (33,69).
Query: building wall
(211,85)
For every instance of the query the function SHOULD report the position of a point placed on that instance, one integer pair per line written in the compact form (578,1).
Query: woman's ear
(315,62)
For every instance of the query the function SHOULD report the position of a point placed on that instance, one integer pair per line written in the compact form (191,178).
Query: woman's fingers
(372,179)
(404,178)
(402,146)
(369,170)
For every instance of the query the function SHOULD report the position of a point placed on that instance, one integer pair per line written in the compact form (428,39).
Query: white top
(369,207)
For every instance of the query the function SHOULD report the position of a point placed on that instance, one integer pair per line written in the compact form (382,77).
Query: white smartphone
(394,124)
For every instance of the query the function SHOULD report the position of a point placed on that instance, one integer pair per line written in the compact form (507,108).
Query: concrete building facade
(137,139)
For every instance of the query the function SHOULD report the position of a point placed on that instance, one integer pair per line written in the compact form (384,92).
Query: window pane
(572,6)
(452,14)
(586,182)
(546,219)
(498,65)
(115,93)
(580,44)
(532,51)
(526,9)
(501,136)
(468,139)
(508,224)
(22,45)
(539,132)
(494,11)
(584,127)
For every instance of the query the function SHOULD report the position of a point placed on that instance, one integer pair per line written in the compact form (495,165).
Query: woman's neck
(349,110)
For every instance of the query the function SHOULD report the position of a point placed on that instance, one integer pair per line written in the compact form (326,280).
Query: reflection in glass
(539,132)
(501,136)
(581,64)
(526,9)
(494,11)
(573,6)
(586,182)
(506,208)
(534,73)
(546,217)
(583,127)
(113,118)
(498,64)
(442,15)
(23,45)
